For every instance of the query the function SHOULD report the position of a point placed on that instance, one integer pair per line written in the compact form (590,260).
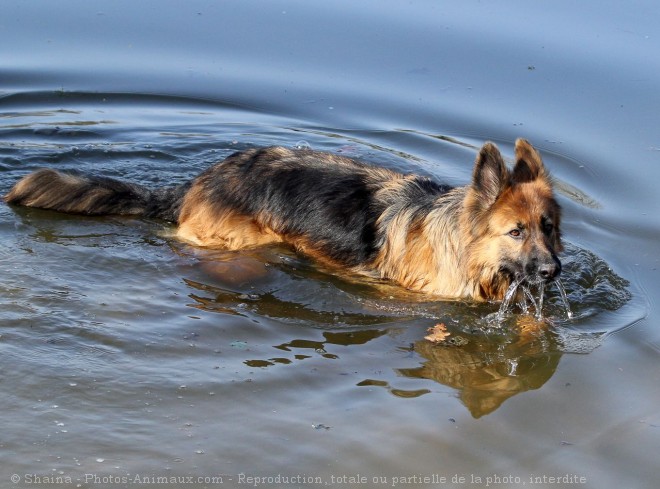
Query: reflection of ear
(490,175)
(529,165)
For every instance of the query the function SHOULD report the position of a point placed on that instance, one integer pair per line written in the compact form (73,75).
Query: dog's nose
(549,270)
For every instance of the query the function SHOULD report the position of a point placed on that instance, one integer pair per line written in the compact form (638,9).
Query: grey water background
(126,354)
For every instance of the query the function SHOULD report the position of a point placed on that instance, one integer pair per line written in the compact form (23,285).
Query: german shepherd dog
(464,242)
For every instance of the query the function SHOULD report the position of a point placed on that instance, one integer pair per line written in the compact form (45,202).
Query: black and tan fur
(468,242)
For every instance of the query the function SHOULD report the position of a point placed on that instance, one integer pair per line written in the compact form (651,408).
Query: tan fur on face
(520,206)
(524,199)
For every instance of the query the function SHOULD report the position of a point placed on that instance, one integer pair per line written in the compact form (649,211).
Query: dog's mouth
(528,290)
(542,274)
(535,280)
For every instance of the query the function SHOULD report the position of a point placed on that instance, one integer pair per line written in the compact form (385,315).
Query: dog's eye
(515,233)
(548,227)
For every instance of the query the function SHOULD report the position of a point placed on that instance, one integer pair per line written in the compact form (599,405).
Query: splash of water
(524,305)
(537,303)
(507,302)
(528,295)
(564,298)
(539,309)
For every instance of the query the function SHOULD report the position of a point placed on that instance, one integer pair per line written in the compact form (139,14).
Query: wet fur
(468,242)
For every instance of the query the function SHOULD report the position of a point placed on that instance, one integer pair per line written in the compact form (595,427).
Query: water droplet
(302,145)
(564,298)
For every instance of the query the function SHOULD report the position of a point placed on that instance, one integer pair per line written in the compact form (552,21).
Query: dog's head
(513,220)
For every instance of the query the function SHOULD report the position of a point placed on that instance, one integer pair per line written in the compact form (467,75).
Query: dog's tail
(95,196)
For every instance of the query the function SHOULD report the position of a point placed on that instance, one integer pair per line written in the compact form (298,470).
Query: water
(564,298)
(125,352)
(508,300)
(526,294)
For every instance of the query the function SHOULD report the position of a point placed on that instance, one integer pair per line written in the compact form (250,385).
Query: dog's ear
(529,165)
(490,175)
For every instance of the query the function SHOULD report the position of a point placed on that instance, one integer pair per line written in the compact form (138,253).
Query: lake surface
(127,357)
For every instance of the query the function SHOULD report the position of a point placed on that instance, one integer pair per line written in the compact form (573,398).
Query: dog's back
(327,206)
